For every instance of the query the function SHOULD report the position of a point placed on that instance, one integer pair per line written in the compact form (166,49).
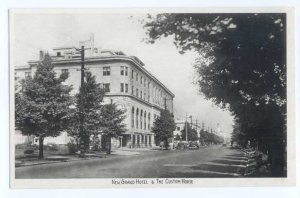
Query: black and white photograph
(150,97)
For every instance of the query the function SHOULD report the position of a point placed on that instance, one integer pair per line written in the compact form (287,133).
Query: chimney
(42,54)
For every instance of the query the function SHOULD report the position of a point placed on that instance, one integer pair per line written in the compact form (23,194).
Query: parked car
(182,145)
(193,147)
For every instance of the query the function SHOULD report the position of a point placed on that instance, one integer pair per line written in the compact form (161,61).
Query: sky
(34,32)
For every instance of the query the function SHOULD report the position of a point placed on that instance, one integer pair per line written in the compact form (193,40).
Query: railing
(256,164)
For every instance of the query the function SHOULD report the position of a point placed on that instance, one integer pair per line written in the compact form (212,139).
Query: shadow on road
(227,166)
(230,162)
(234,158)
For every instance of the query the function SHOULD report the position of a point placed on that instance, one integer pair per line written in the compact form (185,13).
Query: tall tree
(163,127)
(112,122)
(42,103)
(88,107)
(241,66)
(209,137)
(191,133)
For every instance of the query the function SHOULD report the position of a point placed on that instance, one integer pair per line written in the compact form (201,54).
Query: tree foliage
(208,138)
(42,103)
(191,133)
(112,122)
(88,103)
(163,127)
(241,67)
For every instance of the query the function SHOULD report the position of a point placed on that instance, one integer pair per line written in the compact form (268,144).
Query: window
(178,128)
(126,88)
(64,71)
(141,120)
(137,118)
(106,71)
(16,76)
(148,98)
(27,74)
(148,121)
(122,87)
(132,90)
(141,96)
(132,74)
(137,77)
(122,70)
(106,87)
(145,82)
(137,93)
(141,79)
(144,96)
(58,53)
(126,71)
(145,118)
(132,117)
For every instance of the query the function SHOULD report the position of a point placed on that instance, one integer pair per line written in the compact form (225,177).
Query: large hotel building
(127,82)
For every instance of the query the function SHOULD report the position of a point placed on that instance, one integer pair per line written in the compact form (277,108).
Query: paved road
(215,161)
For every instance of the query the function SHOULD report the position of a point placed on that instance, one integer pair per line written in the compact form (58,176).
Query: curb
(58,161)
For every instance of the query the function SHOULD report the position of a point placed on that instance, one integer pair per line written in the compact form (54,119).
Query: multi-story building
(127,82)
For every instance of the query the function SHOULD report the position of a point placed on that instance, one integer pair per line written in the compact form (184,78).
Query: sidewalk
(31,160)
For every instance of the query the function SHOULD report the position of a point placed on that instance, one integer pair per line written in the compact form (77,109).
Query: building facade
(180,125)
(127,83)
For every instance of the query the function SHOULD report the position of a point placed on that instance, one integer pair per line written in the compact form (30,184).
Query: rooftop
(70,54)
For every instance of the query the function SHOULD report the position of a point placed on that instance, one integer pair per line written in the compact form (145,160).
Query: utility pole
(196,127)
(82,135)
(186,136)
(82,65)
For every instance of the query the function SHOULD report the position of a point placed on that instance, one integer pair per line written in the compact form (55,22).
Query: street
(213,161)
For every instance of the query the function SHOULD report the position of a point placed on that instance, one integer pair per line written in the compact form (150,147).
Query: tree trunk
(167,144)
(41,147)
(277,159)
(109,145)
(86,143)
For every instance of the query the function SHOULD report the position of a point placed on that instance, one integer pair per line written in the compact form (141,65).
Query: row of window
(144,139)
(124,87)
(140,94)
(123,71)
(157,94)
(106,71)
(138,123)
(140,120)
(143,80)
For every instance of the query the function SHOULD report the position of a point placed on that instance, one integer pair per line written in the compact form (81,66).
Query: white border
(201,182)
(5,191)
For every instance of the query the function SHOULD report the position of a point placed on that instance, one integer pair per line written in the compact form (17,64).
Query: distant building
(127,82)
(180,125)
